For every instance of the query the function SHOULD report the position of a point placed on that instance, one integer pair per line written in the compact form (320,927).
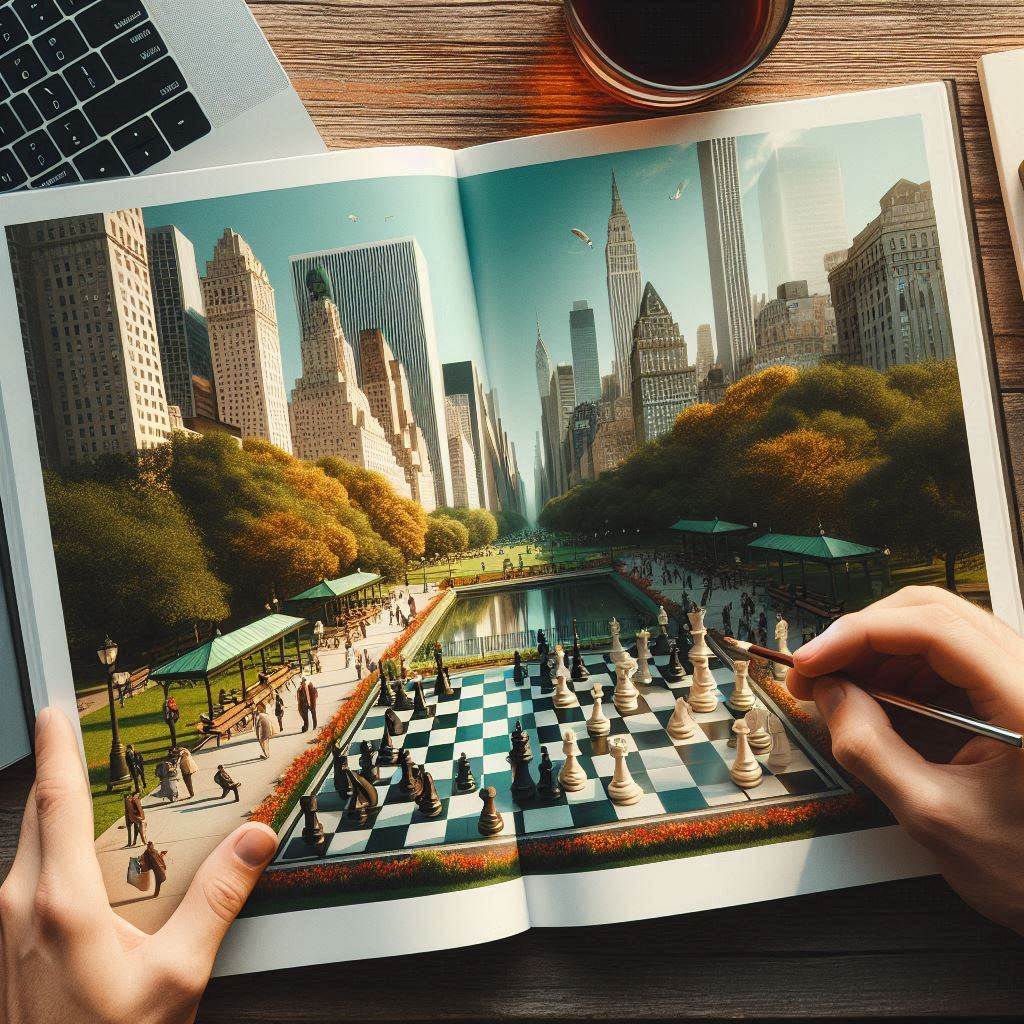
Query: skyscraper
(727,251)
(385,285)
(461,379)
(803,215)
(705,351)
(330,414)
(244,344)
(542,363)
(624,285)
(586,369)
(180,316)
(558,407)
(95,373)
(386,387)
(461,452)
(663,383)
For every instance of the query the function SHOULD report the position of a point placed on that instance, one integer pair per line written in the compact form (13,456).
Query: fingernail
(828,696)
(43,720)
(255,847)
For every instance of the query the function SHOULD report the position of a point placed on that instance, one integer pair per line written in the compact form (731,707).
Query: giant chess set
(572,741)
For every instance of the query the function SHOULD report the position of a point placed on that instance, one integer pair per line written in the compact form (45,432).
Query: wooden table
(459,72)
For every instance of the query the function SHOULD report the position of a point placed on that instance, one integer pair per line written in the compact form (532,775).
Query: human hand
(937,647)
(65,955)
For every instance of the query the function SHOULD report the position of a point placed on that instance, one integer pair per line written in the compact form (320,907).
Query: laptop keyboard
(88,90)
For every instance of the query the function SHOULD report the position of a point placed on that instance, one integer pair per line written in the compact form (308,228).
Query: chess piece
(617,652)
(564,697)
(341,786)
(547,788)
(544,661)
(782,752)
(363,800)
(597,723)
(520,744)
(745,771)
(661,644)
(387,755)
(623,789)
(760,739)
(411,782)
(643,654)
(443,684)
(681,725)
(703,695)
(673,672)
(625,697)
(490,823)
(419,704)
(698,633)
(428,802)
(781,645)
(384,698)
(517,668)
(312,828)
(742,698)
(367,763)
(579,670)
(464,780)
(571,776)
(395,725)
(401,701)
(523,787)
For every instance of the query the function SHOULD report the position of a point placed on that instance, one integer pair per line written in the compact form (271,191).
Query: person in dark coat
(153,860)
(226,783)
(136,767)
(279,710)
(134,818)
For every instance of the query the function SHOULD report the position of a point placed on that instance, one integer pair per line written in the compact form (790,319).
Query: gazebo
(337,596)
(818,548)
(231,649)
(713,528)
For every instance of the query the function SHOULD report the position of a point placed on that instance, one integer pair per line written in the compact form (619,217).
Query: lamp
(118,767)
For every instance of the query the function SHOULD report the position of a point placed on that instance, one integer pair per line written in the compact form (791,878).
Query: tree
(511,522)
(480,524)
(445,536)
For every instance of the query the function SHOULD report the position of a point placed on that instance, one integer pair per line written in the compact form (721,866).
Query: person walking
(167,773)
(279,710)
(154,860)
(302,702)
(311,695)
(136,767)
(188,767)
(264,729)
(134,818)
(226,783)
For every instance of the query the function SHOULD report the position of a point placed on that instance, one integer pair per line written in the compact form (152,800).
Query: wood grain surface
(460,72)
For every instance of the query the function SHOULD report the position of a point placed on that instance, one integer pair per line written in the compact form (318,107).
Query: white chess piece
(622,789)
(782,646)
(742,698)
(760,739)
(564,696)
(617,652)
(598,724)
(643,653)
(681,725)
(703,695)
(698,632)
(571,777)
(745,771)
(782,752)
(625,697)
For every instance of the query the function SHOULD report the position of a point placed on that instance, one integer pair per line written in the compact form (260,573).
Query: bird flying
(352,217)
(680,189)
(582,236)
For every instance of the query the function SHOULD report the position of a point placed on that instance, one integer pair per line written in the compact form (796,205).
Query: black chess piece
(419,703)
(363,801)
(517,668)
(387,755)
(548,787)
(367,764)
(402,701)
(395,725)
(428,802)
(523,787)
(579,670)
(384,698)
(411,783)
(673,672)
(464,780)
(490,823)
(341,785)
(661,641)
(312,829)
(520,744)
(443,684)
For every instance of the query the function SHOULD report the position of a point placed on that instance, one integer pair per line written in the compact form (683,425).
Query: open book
(401,499)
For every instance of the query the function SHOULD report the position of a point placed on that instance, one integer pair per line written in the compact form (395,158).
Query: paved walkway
(189,829)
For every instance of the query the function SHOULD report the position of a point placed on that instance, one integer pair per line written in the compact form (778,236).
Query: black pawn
(523,787)
(386,753)
(579,670)
(517,668)
(411,783)
(428,801)
(384,698)
(419,704)
(363,800)
(490,823)
(673,672)
(395,725)
(341,784)
(402,701)
(443,685)
(520,745)
(547,787)
(312,829)
(464,780)
(367,764)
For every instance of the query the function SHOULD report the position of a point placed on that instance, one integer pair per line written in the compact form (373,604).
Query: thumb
(218,892)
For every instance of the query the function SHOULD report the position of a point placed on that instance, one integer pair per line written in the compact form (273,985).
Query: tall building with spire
(586,368)
(663,382)
(330,414)
(705,351)
(624,285)
(387,389)
(543,365)
(727,251)
(241,317)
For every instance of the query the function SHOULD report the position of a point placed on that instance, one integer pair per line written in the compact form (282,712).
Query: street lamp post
(107,654)
(424,561)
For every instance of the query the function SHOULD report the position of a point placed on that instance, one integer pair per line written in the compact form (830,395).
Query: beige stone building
(466,493)
(387,388)
(244,342)
(615,439)
(88,325)
(794,329)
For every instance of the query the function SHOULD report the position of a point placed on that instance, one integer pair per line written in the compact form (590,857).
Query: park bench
(231,718)
(130,683)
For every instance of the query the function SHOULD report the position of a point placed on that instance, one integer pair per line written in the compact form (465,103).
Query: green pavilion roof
(821,548)
(326,589)
(715,525)
(227,649)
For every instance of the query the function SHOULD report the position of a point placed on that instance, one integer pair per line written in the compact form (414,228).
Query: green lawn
(471,566)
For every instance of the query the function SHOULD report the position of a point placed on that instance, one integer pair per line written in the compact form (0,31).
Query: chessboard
(685,777)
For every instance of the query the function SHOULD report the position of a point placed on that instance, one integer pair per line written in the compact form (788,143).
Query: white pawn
(571,777)
(742,698)
(782,752)
(760,738)
(703,692)
(782,646)
(643,652)
(617,652)
(625,697)
(681,725)
(622,789)
(746,772)
(564,696)
(598,724)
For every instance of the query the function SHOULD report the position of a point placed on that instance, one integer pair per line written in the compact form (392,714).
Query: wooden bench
(235,717)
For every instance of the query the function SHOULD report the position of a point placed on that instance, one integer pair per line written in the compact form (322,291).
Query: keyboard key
(138,133)
(21,68)
(135,96)
(100,162)
(74,6)
(182,121)
(63,175)
(144,156)
(11,174)
(38,15)
(52,97)
(134,50)
(37,152)
(60,45)
(88,76)
(12,32)
(72,133)
(10,126)
(102,22)
(23,106)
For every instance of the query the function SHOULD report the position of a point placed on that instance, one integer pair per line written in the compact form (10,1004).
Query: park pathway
(189,829)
